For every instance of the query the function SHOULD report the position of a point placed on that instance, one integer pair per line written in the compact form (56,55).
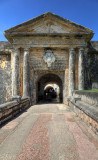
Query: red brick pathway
(47,132)
(37,144)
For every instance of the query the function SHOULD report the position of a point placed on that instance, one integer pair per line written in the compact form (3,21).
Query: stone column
(71,70)
(15,78)
(26,89)
(81,70)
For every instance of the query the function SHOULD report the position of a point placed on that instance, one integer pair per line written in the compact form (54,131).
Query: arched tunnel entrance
(49,89)
(52,93)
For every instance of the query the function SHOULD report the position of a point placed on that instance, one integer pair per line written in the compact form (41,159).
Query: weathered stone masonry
(71,71)
(85,105)
(68,42)
(48,49)
(5,72)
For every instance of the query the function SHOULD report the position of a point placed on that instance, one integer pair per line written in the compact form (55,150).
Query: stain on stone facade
(5,77)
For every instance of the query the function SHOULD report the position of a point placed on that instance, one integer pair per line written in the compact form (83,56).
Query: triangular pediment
(48,23)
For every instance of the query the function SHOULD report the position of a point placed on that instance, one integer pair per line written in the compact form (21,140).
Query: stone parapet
(87,113)
(85,105)
(10,109)
(94,45)
(90,98)
(5,47)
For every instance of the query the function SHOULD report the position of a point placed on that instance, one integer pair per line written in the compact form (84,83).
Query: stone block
(0,114)
(87,113)
(10,109)
(7,112)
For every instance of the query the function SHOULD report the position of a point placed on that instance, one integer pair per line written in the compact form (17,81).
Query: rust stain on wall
(5,78)
(4,64)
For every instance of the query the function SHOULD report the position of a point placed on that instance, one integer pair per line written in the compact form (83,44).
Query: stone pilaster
(71,70)
(81,70)
(26,88)
(15,78)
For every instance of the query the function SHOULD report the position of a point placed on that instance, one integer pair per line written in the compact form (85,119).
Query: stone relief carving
(49,57)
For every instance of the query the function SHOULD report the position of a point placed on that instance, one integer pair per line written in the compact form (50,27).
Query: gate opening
(49,89)
(51,93)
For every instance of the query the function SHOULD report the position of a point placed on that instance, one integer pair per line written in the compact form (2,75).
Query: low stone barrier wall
(85,105)
(87,97)
(10,109)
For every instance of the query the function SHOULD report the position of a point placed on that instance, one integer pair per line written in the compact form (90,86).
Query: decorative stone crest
(49,57)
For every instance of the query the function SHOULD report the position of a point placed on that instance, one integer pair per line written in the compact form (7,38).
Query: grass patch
(89,90)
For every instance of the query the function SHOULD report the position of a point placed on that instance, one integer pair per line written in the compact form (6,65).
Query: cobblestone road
(47,132)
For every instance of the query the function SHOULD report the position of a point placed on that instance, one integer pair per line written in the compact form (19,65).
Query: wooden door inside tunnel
(49,89)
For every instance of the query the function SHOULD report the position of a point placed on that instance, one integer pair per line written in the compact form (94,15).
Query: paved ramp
(47,132)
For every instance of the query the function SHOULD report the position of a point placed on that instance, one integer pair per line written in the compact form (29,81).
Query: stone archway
(43,81)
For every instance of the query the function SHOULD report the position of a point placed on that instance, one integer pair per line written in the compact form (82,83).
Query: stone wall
(94,45)
(5,71)
(91,70)
(91,65)
(5,47)
(37,62)
(38,66)
(11,109)
(5,77)
(90,98)
(85,105)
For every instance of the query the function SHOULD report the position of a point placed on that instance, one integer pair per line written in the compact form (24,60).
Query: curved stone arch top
(39,75)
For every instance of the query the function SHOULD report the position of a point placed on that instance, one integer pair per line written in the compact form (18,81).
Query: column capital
(16,50)
(86,49)
(26,49)
(71,49)
(81,49)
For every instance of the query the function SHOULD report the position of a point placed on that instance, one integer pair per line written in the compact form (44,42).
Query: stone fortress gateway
(47,49)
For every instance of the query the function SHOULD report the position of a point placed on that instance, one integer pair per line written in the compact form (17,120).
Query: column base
(23,97)
(17,98)
(26,97)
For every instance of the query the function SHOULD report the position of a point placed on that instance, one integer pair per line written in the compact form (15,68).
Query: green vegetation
(89,90)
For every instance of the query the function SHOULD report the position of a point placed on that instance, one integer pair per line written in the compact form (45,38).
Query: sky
(14,12)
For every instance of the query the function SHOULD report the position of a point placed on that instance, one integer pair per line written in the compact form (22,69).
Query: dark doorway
(52,93)
(49,89)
